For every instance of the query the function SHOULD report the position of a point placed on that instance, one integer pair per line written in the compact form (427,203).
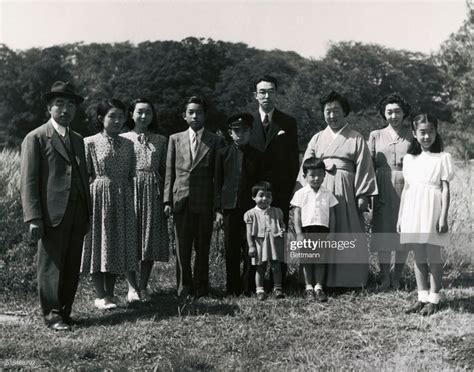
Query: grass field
(362,329)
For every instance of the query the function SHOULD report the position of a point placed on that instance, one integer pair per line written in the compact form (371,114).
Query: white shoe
(133,296)
(104,303)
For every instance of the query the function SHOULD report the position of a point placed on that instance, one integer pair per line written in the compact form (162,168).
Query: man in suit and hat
(56,203)
(275,134)
(238,167)
(189,194)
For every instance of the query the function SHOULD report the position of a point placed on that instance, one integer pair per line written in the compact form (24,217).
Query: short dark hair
(153,127)
(105,106)
(198,101)
(333,96)
(415,147)
(267,78)
(313,163)
(261,186)
(393,98)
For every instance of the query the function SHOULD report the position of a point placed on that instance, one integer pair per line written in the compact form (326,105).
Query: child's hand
(442,226)
(362,204)
(252,252)
(219,222)
(280,233)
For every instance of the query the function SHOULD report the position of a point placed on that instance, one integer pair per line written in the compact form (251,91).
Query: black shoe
(59,326)
(278,293)
(309,294)
(415,308)
(429,309)
(320,296)
(72,322)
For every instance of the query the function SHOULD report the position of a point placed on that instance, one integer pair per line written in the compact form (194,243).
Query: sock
(309,287)
(434,298)
(318,287)
(260,290)
(423,296)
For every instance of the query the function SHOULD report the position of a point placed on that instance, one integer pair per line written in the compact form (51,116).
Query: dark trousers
(192,228)
(59,262)
(236,249)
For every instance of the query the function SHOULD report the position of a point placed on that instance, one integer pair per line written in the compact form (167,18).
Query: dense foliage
(168,71)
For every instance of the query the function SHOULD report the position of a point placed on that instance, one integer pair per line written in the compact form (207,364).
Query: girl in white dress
(423,216)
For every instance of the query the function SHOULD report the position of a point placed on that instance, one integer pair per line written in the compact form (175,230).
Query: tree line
(168,72)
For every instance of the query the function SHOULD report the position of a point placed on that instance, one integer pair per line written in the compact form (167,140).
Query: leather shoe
(415,308)
(71,322)
(60,326)
(429,309)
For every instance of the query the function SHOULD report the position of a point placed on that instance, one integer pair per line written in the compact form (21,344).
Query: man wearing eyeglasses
(275,134)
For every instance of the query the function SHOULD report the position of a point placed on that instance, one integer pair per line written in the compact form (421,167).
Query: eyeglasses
(263,93)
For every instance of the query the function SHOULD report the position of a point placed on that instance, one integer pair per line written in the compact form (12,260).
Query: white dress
(419,217)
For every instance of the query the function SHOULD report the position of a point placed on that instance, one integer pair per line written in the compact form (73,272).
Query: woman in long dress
(150,153)
(352,181)
(109,246)
(388,147)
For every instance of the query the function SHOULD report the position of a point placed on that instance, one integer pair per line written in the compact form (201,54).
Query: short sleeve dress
(110,245)
(387,154)
(265,225)
(148,181)
(421,209)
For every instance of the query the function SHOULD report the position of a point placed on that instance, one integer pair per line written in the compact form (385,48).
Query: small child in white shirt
(314,213)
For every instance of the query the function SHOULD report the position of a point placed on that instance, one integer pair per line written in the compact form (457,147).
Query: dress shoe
(415,308)
(309,294)
(320,296)
(261,296)
(71,322)
(59,326)
(104,303)
(429,309)
(278,293)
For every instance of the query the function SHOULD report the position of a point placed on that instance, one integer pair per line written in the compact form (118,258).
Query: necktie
(194,144)
(266,123)
(67,141)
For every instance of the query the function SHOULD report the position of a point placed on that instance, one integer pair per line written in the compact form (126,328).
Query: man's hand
(168,211)
(219,222)
(36,229)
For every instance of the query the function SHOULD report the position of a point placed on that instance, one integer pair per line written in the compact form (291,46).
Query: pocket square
(281,132)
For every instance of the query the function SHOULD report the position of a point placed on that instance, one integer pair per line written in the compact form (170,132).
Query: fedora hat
(63,89)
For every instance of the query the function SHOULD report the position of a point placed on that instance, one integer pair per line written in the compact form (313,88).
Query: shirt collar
(263,113)
(62,131)
(198,133)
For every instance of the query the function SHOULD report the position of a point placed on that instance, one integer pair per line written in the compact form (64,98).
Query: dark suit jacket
(237,170)
(46,172)
(281,154)
(190,181)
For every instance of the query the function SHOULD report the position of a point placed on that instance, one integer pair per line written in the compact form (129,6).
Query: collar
(198,133)
(334,135)
(262,210)
(62,131)
(263,113)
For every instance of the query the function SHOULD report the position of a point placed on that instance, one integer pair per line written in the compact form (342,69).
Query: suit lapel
(205,145)
(185,147)
(56,142)
(76,146)
(257,138)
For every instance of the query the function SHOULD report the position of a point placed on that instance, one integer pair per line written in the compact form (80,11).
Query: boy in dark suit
(238,168)
(189,194)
